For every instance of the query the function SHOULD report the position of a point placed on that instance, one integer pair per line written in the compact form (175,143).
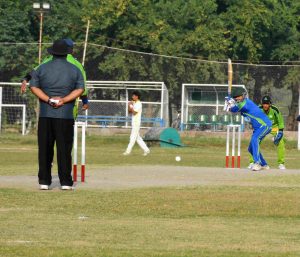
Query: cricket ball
(178,158)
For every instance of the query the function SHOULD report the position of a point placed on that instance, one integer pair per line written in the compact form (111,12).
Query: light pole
(41,9)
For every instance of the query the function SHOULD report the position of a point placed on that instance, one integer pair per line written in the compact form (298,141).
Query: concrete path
(116,178)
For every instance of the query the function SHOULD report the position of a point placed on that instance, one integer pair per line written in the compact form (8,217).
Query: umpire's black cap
(59,47)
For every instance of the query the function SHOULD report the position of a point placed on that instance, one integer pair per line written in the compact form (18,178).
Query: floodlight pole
(40,38)
(0,108)
(85,42)
(41,9)
(297,122)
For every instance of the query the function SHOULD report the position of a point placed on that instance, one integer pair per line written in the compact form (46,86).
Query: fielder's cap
(298,118)
(59,47)
(237,91)
(266,100)
(69,42)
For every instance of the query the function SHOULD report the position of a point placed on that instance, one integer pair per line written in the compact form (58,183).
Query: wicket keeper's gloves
(84,99)
(278,137)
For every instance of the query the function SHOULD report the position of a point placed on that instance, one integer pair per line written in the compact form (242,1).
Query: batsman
(261,124)
(275,116)
(237,101)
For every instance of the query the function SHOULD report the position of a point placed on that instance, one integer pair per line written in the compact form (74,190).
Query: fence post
(0,108)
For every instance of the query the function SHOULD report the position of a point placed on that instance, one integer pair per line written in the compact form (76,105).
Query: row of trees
(256,31)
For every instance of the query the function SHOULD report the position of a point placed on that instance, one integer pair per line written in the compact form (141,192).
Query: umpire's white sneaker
(265,167)
(281,166)
(67,188)
(256,167)
(44,187)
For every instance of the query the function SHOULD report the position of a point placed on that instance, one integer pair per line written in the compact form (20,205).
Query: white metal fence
(108,101)
(12,112)
(202,107)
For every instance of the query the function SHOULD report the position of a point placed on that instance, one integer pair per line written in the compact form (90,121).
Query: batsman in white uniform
(135,108)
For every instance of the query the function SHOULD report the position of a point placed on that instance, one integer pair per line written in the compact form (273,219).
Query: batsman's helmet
(237,91)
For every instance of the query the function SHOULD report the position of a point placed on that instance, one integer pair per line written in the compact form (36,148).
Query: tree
(284,40)
(248,23)
(179,28)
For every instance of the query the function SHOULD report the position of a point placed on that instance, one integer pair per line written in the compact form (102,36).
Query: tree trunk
(291,124)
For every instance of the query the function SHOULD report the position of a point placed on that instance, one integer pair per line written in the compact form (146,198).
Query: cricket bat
(226,106)
(230,73)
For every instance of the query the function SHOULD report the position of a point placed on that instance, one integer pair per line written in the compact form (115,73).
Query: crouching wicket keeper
(277,128)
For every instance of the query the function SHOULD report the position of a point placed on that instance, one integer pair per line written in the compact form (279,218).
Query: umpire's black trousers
(59,131)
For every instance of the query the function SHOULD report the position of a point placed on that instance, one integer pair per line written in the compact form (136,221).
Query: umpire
(57,84)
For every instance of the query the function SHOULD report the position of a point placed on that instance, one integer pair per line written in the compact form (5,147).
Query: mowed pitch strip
(126,177)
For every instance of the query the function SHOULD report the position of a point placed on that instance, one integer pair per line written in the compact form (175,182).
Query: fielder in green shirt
(277,128)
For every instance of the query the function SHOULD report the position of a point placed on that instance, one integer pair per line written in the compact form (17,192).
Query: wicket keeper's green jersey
(275,116)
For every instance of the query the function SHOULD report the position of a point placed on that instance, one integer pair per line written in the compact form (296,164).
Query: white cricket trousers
(135,137)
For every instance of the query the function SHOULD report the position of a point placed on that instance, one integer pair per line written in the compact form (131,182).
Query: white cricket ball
(55,101)
(178,158)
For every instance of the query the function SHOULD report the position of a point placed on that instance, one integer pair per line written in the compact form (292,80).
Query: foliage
(201,211)
(252,31)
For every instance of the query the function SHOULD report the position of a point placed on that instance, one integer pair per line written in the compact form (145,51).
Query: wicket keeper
(277,128)
(261,124)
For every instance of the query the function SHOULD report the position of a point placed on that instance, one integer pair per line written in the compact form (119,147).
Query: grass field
(249,214)
(20,153)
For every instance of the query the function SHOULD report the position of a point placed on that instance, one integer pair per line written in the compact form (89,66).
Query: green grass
(200,221)
(215,221)
(20,153)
